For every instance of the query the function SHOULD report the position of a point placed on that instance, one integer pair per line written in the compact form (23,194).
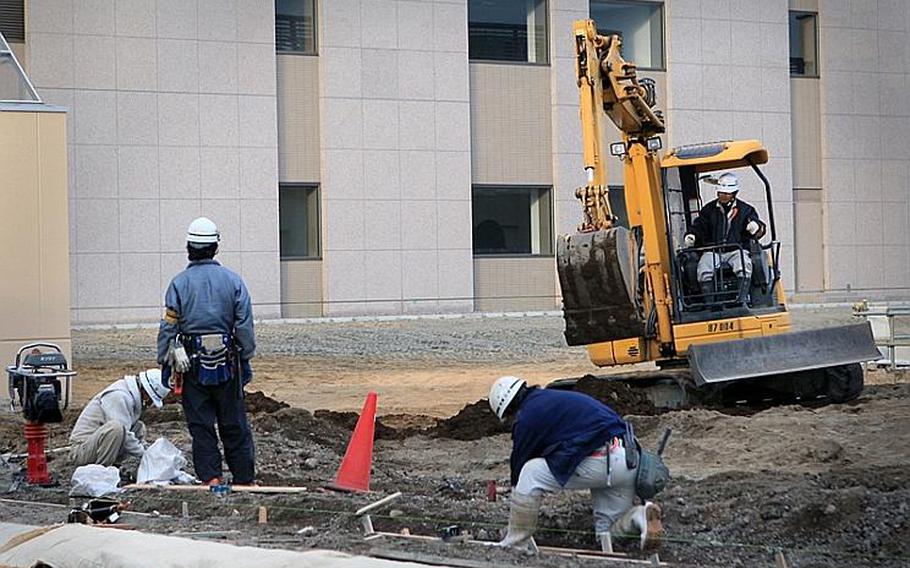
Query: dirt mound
(473,422)
(347,420)
(299,424)
(258,401)
(621,397)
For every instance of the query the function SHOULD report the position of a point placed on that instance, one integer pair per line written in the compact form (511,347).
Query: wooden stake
(263,515)
(185,510)
(367,523)
(780,560)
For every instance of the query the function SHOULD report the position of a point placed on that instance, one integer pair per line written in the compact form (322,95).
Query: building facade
(420,156)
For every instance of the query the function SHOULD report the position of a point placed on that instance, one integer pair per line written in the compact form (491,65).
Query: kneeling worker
(568,440)
(109,428)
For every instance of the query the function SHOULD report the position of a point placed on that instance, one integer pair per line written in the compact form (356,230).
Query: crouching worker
(568,440)
(109,429)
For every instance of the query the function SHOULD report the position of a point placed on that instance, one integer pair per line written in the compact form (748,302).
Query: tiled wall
(865,65)
(515,284)
(172,115)
(396,162)
(510,124)
(301,288)
(298,118)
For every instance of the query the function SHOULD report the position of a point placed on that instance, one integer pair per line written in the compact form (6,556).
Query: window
(298,218)
(295,26)
(508,30)
(639,24)
(512,220)
(804,44)
(12,20)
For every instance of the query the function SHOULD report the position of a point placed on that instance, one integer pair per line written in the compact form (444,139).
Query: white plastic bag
(161,462)
(95,480)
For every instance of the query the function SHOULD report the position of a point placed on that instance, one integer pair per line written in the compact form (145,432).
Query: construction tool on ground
(631,294)
(40,387)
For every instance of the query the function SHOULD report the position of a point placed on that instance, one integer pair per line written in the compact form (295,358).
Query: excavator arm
(607,85)
(605,296)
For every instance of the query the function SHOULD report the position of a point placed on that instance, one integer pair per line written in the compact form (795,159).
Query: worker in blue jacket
(206,340)
(568,440)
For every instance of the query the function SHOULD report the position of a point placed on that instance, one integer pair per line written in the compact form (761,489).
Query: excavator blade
(597,274)
(713,363)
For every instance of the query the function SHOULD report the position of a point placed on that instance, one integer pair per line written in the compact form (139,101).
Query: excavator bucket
(598,274)
(713,363)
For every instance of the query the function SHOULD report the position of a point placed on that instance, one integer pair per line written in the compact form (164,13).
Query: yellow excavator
(631,295)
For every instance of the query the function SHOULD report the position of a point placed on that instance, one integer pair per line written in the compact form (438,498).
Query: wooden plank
(234,488)
(429,559)
(377,504)
(572,552)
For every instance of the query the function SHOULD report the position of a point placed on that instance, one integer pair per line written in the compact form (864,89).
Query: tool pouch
(213,358)
(652,476)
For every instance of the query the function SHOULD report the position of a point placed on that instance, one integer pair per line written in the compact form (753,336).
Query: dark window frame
(814,16)
(663,27)
(548,39)
(317,217)
(305,53)
(550,235)
(12,20)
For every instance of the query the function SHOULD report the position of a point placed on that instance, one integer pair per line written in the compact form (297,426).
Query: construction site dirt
(826,485)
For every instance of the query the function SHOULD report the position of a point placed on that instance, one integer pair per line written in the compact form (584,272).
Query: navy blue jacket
(563,427)
(207,298)
(714,227)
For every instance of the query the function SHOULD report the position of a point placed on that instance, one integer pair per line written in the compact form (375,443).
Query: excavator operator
(729,224)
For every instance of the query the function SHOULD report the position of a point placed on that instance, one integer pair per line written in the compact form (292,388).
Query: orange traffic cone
(354,472)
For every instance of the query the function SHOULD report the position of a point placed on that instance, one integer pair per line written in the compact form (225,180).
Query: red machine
(40,386)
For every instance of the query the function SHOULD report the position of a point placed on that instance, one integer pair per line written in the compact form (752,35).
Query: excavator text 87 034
(632,295)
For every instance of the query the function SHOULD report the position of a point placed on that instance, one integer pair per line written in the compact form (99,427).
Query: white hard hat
(503,392)
(202,231)
(151,383)
(726,182)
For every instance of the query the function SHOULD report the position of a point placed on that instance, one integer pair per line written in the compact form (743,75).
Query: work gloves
(690,240)
(752,227)
(180,362)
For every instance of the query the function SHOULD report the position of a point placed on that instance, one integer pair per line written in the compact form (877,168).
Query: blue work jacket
(562,427)
(207,298)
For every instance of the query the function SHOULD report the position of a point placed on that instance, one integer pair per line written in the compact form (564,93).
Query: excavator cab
(727,294)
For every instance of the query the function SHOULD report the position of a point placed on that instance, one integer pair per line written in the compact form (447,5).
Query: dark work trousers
(203,406)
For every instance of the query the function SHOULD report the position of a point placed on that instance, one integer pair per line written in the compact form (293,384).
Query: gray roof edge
(25,106)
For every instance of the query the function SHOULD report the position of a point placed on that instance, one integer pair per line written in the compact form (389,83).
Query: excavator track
(677,388)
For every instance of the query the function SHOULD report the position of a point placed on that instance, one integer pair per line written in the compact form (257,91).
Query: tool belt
(212,357)
(652,473)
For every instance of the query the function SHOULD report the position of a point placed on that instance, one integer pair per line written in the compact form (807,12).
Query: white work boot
(642,521)
(523,512)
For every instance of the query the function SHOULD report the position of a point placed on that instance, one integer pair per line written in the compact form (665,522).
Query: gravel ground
(470,339)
